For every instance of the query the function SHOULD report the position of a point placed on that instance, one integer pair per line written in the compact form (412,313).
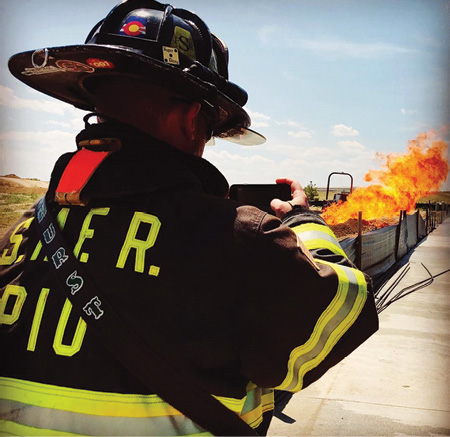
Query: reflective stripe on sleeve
(30,408)
(251,408)
(84,401)
(332,324)
(43,409)
(12,428)
(316,236)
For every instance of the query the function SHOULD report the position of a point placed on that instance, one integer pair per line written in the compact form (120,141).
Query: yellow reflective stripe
(268,400)
(316,236)
(84,401)
(85,424)
(312,227)
(11,428)
(337,318)
(252,406)
(254,417)
(47,401)
(232,404)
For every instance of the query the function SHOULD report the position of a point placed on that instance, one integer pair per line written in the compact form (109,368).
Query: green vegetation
(12,206)
(18,198)
(311,191)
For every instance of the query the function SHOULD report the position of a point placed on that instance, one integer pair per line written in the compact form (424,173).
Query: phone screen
(260,195)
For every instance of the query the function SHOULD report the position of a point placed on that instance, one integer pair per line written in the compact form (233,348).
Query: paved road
(396,383)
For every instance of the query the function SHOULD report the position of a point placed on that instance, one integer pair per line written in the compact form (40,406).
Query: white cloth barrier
(380,249)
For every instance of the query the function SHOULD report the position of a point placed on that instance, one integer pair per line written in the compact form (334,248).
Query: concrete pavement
(397,383)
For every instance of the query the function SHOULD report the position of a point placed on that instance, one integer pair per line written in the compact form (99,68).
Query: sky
(332,83)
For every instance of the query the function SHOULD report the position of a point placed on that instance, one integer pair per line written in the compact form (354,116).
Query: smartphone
(260,195)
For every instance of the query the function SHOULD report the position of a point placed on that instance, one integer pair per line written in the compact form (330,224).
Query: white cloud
(33,154)
(224,155)
(63,124)
(259,119)
(341,130)
(243,169)
(258,115)
(289,123)
(259,124)
(9,99)
(351,146)
(74,124)
(49,138)
(300,152)
(341,47)
(275,159)
(300,134)
(334,45)
(408,111)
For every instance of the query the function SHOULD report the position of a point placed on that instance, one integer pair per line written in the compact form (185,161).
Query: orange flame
(404,179)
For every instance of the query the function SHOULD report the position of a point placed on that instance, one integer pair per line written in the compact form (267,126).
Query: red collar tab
(81,168)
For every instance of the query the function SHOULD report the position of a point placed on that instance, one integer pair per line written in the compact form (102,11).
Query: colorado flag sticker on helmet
(134,26)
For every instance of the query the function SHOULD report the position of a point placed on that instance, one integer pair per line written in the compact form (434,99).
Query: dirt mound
(15,184)
(350,227)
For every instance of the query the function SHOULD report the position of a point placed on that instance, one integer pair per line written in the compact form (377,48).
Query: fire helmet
(150,41)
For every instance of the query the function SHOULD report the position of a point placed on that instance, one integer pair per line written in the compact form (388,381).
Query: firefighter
(241,301)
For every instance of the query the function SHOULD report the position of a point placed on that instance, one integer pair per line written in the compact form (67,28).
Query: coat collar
(142,165)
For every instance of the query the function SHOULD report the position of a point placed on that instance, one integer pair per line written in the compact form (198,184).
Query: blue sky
(330,82)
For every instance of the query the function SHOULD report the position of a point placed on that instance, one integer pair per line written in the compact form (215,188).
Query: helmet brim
(62,72)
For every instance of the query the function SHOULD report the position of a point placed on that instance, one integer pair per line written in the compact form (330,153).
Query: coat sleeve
(306,306)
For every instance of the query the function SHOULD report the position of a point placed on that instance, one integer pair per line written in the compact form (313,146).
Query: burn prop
(399,184)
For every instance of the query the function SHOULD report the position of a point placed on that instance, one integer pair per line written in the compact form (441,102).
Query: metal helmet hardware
(151,41)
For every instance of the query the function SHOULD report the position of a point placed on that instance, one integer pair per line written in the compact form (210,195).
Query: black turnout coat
(242,301)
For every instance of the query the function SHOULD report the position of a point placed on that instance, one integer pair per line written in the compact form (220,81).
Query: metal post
(397,235)
(417,226)
(435,216)
(359,242)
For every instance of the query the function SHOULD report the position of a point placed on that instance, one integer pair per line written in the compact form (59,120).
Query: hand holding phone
(298,197)
(277,199)
(260,195)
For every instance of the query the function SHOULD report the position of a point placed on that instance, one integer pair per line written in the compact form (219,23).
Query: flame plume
(402,181)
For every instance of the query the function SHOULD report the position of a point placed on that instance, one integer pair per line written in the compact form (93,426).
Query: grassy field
(13,205)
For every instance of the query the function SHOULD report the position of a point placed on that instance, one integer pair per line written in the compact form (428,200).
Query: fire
(402,181)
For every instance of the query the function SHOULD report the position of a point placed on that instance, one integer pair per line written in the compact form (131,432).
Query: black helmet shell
(151,41)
